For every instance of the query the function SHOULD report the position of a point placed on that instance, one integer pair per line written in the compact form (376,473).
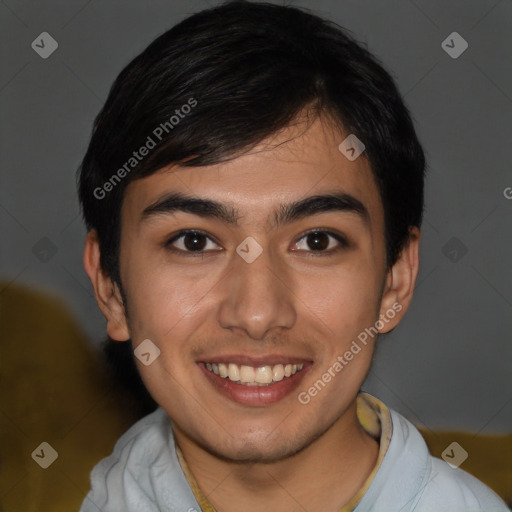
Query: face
(253,299)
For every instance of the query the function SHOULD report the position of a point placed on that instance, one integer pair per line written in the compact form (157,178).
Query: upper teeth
(252,376)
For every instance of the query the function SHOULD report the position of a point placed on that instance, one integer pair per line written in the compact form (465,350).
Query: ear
(400,282)
(106,291)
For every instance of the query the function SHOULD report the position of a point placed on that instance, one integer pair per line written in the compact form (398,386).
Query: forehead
(300,161)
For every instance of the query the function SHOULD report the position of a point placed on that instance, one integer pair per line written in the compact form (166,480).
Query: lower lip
(255,395)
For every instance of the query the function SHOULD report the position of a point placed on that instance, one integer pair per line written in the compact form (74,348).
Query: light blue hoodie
(143,474)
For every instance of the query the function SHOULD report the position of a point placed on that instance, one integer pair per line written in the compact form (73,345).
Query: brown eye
(321,241)
(194,241)
(317,241)
(190,241)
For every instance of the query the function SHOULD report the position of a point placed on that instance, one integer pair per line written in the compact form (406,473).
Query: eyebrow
(286,213)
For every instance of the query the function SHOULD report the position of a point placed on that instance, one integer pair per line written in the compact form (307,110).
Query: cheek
(347,306)
(346,298)
(160,295)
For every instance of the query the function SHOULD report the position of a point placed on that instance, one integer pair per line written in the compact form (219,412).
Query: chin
(261,447)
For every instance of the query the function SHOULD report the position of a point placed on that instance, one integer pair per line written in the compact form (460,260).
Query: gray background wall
(448,365)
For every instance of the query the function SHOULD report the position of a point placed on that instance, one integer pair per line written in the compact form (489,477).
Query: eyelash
(343,243)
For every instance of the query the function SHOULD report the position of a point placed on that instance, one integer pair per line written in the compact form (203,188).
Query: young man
(253,194)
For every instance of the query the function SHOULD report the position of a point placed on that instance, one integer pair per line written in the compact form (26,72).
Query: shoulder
(143,440)
(439,487)
(142,474)
(452,489)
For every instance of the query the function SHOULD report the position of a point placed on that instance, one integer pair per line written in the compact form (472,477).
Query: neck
(335,466)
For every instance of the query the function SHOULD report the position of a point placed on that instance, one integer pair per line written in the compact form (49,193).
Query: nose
(258,296)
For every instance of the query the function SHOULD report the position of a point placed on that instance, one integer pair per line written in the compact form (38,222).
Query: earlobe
(400,282)
(106,291)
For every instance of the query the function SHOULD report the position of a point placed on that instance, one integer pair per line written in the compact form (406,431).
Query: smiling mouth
(254,376)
